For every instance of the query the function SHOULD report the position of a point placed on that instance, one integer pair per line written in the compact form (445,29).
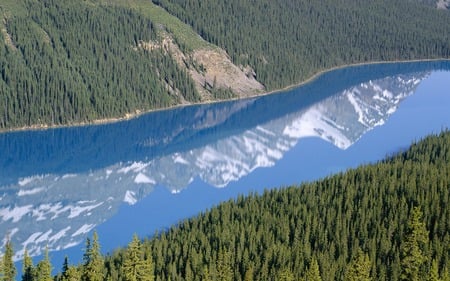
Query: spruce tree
(44,268)
(92,261)
(313,272)
(224,269)
(72,274)
(434,272)
(8,269)
(135,267)
(412,248)
(28,270)
(359,268)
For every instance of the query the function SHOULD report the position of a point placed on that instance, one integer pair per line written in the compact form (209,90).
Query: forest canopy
(67,62)
(288,41)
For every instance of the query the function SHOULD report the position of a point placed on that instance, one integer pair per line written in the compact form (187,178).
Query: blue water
(148,173)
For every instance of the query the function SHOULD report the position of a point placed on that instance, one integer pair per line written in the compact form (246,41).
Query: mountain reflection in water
(57,185)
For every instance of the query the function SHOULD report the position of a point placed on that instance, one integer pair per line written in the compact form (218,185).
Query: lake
(142,175)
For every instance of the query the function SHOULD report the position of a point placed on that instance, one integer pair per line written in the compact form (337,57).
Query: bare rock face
(211,68)
(219,71)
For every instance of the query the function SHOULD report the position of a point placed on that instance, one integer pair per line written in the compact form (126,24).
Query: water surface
(142,175)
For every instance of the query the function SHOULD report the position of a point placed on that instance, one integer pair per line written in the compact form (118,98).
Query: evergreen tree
(313,272)
(249,274)
(28,270)
(72,274)
(44,268)
(286,275)
(359,268)
(224,269)
(135,267)
(65,266)
(412,248)
(92,260)
(69,272)
(434,272)
(8,269)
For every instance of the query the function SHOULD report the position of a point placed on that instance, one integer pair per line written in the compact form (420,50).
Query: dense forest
(384,221)
(288,41)
(66,62)
(76,61)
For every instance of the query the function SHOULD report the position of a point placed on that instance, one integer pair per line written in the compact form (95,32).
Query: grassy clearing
(182,32)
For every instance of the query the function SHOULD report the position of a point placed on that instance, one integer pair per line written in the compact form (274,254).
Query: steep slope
(277,235)
(76,61)
(70,62)
(288,41)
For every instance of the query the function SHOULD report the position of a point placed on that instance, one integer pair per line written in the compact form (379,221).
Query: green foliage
(72,274)
(77,61)
(66,62)
(288,41)
(28,270)
(413,248)
(328,220)
(359,268)
(92,269)
(313,272)
(7,267)
(434,272)
(44,268)
(183,34)
(397,210)
(135,266)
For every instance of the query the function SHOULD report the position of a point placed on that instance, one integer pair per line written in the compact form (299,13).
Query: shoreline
(138,113)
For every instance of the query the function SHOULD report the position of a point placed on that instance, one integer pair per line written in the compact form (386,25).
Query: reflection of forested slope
(80,149)
(280,234)
(287,41)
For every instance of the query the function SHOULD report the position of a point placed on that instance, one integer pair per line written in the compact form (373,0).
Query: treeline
(288,41)
(75,61)
(385,221)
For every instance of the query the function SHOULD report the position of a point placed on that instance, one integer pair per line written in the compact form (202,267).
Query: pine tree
(44,268)
(224,269)
(434,272)
(69,272)
(28,270)
(8,269)
(206,276)
(249,274)
(92,261)
(72,274)
(412,248)
(135,267)
(286,275)
(359,268)
(65,267)
(313,272)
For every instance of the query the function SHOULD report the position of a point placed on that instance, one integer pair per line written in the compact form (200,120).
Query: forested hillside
(385,221)
(69,62)
(288,41)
